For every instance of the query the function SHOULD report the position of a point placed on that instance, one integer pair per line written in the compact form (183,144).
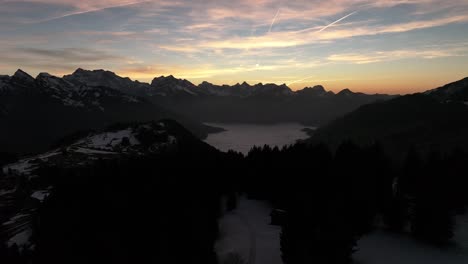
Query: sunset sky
(378,46)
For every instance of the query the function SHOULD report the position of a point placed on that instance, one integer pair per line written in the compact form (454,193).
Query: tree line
(165,208)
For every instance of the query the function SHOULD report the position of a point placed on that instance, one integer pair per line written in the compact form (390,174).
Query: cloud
(70,54)
(209,38)
(59,61)
(314,35)
(379,56)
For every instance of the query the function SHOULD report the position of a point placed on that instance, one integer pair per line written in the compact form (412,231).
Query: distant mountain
(35,112)
(38,111)
(260,103)
(434,120)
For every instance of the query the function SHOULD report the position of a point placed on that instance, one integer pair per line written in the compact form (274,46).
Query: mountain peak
(78,71)
(166,80)
(319,88)
(44,75)
(22,74)
(205,83)
(22,77)
(346,92)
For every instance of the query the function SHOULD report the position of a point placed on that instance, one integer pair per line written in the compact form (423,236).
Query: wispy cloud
(379,56)
(70,54)
(239,39)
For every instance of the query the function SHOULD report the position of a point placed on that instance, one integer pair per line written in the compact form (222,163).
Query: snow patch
(40,195)
(21,239)
(15,218)
(22,167)
(108,141)
(172,140)
(25,166)
(94,151)
(131,99)
(70,102)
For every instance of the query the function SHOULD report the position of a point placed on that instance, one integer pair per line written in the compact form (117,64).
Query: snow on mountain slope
(169,85)
(136,140)
(98,78)
(65,91)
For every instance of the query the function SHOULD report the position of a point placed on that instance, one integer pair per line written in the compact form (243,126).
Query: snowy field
(388,248)
(246,232)
(247,235)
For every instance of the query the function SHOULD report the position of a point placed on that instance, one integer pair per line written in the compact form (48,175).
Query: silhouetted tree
(433,214)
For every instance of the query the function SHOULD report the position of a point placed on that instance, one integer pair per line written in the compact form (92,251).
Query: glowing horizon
(382,46)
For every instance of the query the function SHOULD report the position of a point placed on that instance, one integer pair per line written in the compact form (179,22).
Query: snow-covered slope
(382,247)
(131,141)
(108,79)
(63,90)
(246,234)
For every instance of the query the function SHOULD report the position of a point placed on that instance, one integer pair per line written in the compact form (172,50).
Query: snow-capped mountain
(93,99)
(170,86)
(63,91)
(167,86)
(108,79)
(245,90)
(19,203)
(36,112)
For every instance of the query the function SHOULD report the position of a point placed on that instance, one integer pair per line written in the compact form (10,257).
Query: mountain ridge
(435,120)
(36,112)
(101,77)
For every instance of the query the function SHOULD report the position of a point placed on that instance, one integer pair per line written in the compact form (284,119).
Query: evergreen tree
(317,234)
(433,214)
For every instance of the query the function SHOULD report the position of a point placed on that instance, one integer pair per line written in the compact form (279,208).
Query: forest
(165,208)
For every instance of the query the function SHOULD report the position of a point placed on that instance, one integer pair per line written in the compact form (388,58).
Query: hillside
(437,119)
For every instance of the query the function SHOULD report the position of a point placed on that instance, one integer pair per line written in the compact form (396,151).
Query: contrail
(88,11)
(337,21)
(274,19)
(306,78)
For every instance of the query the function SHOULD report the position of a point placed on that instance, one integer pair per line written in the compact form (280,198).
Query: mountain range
(436,120)
(36,112)
(259,103)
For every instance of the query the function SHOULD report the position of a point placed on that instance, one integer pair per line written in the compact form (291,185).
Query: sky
(378,46)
